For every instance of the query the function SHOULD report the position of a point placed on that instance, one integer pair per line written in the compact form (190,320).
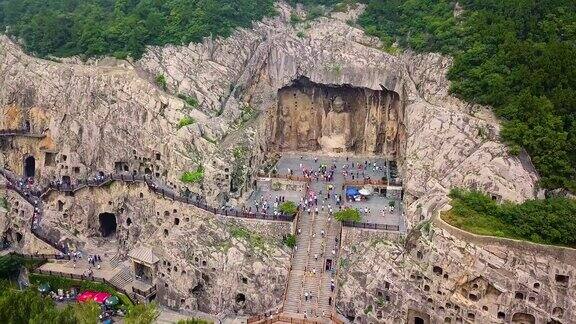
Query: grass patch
(193,176)
(160,81)
(547,221)
(190,101)
(288,208)
(289,240)
(254,240)
(4,203)
(185,121)
(295,19)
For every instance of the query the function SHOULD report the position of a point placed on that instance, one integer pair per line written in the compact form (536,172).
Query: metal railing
(386,227)
(263,319)
(15,132)
(42,257)
(196,200)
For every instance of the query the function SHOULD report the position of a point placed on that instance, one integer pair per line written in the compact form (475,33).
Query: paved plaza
(374,209)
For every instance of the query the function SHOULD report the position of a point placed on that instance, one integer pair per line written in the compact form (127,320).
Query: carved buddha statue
(336,127)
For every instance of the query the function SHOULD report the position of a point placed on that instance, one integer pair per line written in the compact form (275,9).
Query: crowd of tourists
(263,205)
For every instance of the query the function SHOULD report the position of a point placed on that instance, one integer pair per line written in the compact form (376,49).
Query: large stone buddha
(336,128)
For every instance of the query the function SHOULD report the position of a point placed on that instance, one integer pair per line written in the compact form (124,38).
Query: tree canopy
(142,314)
(288,208)
(29,306)
(517,56)
(348,215)
(122,27)
(548,221)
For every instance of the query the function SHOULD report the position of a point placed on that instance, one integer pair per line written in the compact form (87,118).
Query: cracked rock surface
(106,115)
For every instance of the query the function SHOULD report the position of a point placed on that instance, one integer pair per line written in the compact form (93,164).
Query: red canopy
(101,297)
(98,297)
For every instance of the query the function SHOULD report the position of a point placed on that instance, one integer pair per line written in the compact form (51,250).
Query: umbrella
(101,297)
(112,301)
(352,191)
(365,191)
(86,296)
(44,288)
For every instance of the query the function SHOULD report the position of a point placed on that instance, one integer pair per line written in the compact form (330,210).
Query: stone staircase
(115,260)
(295,292)
(333,232)
(302,278)
(122,278)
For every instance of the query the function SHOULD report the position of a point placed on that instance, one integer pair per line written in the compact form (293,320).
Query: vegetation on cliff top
(122,27)
(517,56)
(548,221)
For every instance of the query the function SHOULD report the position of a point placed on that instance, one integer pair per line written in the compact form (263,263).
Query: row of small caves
(108,226)
(336,111)
(475,290)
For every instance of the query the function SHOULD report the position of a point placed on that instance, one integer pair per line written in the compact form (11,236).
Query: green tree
(9,266)
(548,221)
(142,314)
(185,121)
(348,215)
(288,208)
(193,176)
(289,240)
(517,56)
(161,81)
(86,313)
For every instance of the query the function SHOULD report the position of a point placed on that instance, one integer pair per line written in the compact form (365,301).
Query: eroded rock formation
(444,277)
(106,115)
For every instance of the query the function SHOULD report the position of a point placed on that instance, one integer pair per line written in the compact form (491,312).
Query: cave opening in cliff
(29,166)
(314,117)
(107,224)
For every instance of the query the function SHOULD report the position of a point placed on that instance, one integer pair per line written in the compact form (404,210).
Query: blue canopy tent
(352,192)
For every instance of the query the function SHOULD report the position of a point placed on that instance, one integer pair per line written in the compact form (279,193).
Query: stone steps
(122,278)
(310,243)
(115,260)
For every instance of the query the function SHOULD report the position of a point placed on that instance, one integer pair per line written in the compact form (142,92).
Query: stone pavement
(375,202)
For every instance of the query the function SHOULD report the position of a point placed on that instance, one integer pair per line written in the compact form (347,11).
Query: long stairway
(308,273)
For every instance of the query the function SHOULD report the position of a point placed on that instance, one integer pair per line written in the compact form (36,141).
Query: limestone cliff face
(93,118)
(103,116)
(446,143)
(446,278)
(204,263)
(106,115)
